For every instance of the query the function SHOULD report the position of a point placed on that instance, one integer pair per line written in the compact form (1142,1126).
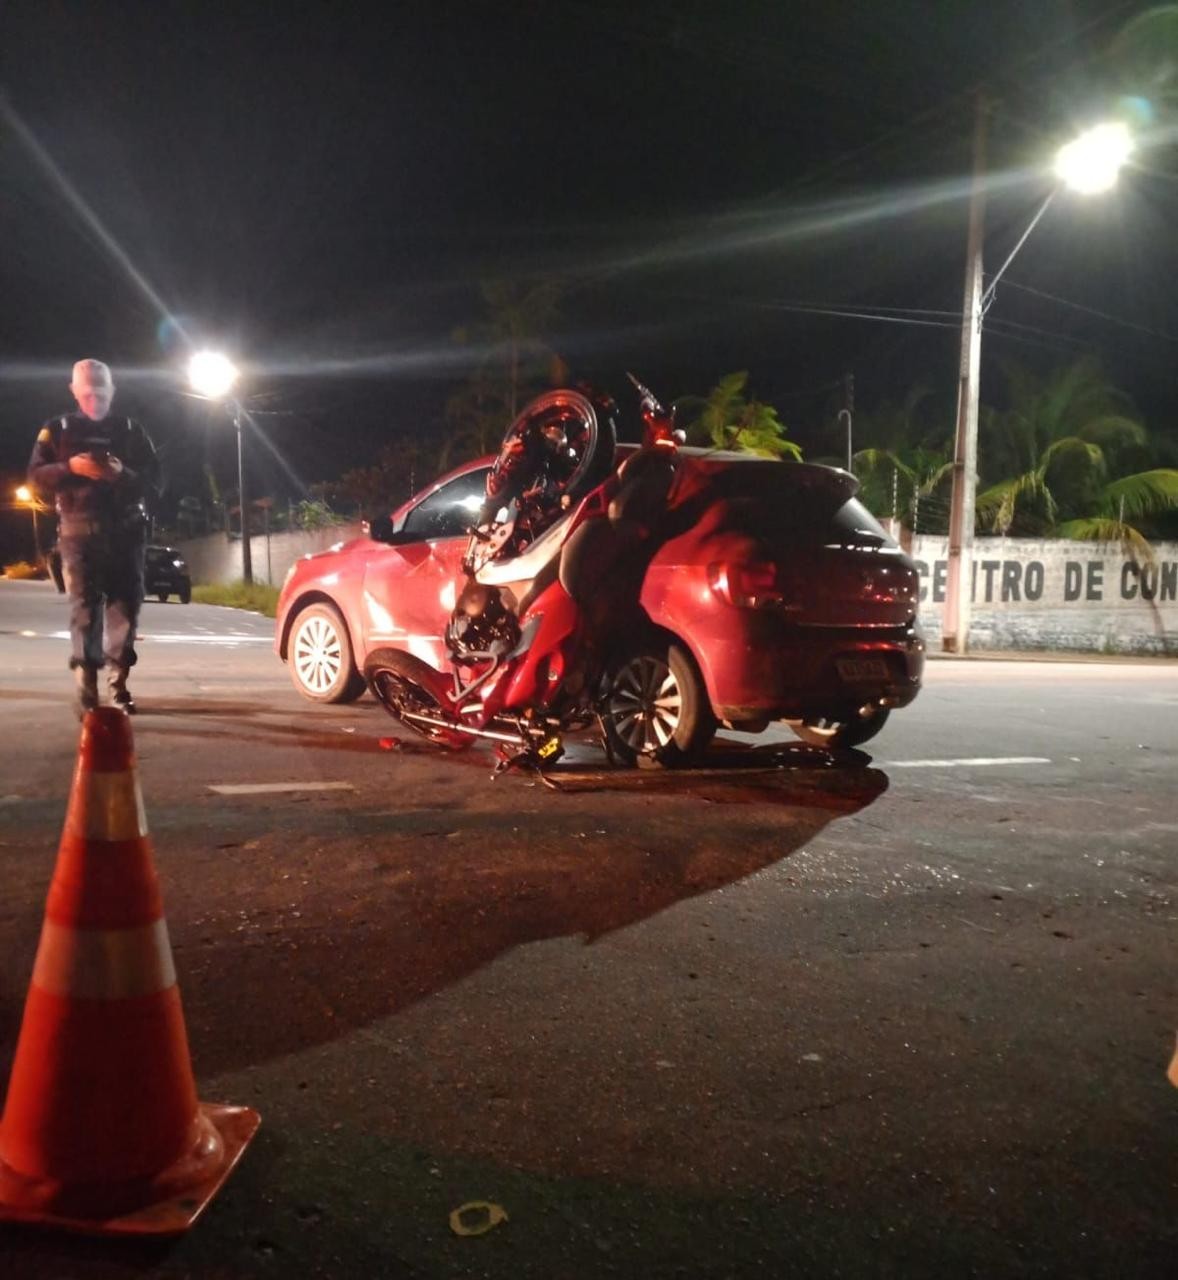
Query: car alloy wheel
(320,656)
(645,705)
(656,708)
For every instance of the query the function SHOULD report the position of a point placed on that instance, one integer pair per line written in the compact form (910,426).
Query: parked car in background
(166,574)
(807,614)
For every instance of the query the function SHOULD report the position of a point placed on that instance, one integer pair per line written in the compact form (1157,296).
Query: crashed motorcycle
(541,638)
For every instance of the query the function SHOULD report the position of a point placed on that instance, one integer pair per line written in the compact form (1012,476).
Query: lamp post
(214,376)
(1088,165)
(26,495)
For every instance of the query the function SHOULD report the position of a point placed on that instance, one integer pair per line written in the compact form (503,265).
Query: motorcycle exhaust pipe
(516,739)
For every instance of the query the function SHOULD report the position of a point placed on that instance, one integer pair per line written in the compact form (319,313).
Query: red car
(792,601)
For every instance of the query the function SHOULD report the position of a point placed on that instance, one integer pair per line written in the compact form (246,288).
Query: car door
(409,589)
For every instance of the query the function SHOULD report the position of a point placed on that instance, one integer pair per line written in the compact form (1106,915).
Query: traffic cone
(102,1131)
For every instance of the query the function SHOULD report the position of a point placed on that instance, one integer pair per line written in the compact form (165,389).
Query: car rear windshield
(794,501)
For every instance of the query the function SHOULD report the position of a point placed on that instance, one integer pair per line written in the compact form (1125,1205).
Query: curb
(1054,655)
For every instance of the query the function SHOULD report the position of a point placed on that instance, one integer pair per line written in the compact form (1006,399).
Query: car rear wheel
(656,708)
(320,656)
(185,595)
(845,730)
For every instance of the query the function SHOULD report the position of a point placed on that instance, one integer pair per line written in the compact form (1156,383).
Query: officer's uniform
(102,532)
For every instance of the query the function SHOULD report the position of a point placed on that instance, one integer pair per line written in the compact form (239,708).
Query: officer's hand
(114,467)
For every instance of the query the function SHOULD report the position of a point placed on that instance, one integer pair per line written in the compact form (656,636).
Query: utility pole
(959,585)
(247,562)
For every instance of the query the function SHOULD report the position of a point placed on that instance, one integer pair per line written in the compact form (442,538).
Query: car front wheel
(319,656)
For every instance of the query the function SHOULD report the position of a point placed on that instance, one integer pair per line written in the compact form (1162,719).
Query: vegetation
(1067,451)
(513,360)
(906,461)
(727,419)
(399,469)
(1066,456)
(257,597)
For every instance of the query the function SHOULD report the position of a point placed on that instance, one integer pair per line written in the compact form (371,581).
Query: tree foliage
(1060,457)
(727,419)
(513,359)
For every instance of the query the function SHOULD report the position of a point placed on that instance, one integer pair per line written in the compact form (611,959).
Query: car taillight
(745,584)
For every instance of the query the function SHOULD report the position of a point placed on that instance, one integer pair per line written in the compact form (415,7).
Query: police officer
(105,476)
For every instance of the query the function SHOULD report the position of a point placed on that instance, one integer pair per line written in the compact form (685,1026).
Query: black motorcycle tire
(399,681)
(662,672)
(597,456)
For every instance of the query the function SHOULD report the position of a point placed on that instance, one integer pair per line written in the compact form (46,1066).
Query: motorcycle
(537,637)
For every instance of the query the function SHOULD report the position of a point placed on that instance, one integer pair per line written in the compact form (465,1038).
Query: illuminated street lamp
(213,376)
(26,495)
(1088,165)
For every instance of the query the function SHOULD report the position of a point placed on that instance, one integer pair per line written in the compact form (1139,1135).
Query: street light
(213,375)
(1088,165)
(24,494)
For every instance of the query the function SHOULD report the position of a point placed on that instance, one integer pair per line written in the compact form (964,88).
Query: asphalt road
(886,1019)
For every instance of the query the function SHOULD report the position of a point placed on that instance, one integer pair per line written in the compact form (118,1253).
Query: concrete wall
(1057,595)
(217,559)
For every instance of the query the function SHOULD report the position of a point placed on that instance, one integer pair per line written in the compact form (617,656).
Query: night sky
(318,189)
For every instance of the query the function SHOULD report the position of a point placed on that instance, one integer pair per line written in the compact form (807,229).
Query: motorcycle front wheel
(407,687)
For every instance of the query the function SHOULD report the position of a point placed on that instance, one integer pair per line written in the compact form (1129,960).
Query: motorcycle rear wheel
(402,683)
(591,444)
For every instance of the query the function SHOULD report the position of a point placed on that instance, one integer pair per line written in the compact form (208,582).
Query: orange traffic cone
(102,1131)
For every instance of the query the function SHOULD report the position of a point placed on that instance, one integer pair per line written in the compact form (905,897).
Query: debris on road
(476,1218)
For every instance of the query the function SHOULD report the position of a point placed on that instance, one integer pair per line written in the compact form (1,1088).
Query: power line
(818,309)
(1093,311)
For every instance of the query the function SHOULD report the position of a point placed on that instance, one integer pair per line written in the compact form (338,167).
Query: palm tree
(901,482)
(906,459)
(514,333)
(1055,446)
(1146,494)
(515,357)
(727,420)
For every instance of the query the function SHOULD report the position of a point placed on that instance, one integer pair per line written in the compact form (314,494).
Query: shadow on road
(428,907)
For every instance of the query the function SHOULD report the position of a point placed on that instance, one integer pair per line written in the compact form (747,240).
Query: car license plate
(861,670)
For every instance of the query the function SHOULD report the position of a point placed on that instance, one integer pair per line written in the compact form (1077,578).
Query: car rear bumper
(769,669)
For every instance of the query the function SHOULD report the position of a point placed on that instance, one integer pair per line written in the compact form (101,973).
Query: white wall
(1054,594)
(217,559)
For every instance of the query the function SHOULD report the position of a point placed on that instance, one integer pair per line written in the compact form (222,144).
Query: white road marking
(262,788)
(228,641)
(964,762)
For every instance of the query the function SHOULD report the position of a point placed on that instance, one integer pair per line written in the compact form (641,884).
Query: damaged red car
(785,596)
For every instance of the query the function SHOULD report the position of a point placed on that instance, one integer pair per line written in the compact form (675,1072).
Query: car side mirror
(381,530)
